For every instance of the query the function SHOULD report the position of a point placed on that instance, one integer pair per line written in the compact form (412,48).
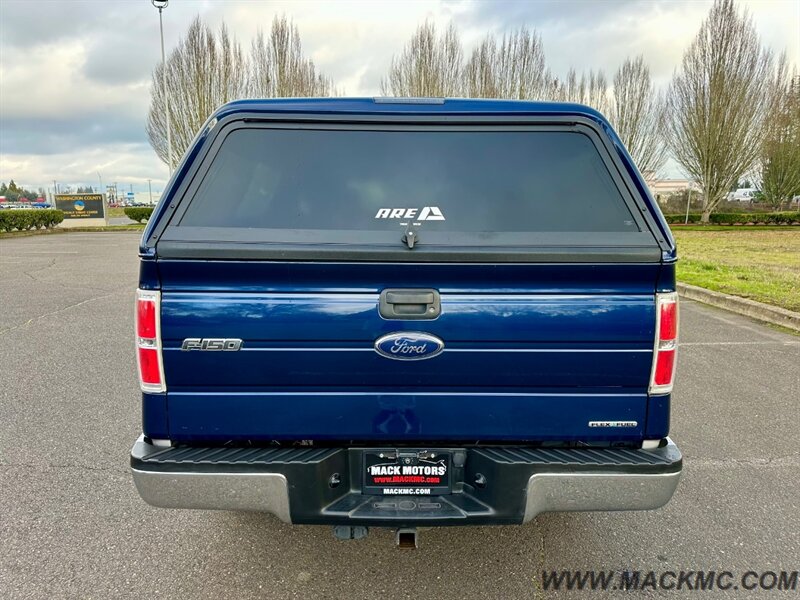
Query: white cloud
(123,163)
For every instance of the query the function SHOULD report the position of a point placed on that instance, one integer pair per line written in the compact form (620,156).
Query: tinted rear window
(440,182)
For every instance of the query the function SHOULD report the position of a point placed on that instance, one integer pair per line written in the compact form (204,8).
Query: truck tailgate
(531,352)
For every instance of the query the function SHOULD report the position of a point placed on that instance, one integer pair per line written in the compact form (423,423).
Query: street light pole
(161,5)
(688,203)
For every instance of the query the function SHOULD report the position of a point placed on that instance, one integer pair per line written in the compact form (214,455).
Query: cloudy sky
(75,74)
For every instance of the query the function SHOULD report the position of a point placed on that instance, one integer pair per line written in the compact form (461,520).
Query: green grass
(736,228)
(760,263)
(126,227)
(26,233)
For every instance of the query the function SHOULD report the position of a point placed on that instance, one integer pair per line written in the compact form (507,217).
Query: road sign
(81,206)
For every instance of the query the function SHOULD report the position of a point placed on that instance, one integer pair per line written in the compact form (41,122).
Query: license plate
(406,472)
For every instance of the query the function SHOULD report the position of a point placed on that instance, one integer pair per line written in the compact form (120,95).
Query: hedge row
(29,218)
(775,218)
(138,213)
(681,219)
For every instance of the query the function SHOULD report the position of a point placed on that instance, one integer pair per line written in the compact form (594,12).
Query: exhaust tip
(407,539)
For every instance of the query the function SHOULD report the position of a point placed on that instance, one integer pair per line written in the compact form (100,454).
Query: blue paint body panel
(154,416)
(532,352)
(519,363)
(407,417)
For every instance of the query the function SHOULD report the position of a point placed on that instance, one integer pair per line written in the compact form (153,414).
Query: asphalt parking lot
(72,525)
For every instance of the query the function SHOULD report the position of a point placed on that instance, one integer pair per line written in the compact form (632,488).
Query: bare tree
(515,69)
(480,72)
(207,70)
(636,111)
(429,65)
(202,72)
(590,89)
(780,159)
(717,103)
(278,67)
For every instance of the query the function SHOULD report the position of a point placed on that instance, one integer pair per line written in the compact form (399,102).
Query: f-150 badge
(409,346)
(219,344)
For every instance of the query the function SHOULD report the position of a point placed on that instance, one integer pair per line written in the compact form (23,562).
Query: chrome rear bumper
(560,492)
(226,479)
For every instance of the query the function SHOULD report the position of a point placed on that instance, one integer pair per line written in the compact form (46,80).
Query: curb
(59,230)
(743,306)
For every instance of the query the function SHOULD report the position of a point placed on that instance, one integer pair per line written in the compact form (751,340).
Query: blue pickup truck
(404,313)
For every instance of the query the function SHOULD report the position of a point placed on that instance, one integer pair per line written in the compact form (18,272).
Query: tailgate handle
(410,304)
(409,297)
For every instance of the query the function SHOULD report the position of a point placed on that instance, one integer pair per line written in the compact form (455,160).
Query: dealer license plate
(406,472)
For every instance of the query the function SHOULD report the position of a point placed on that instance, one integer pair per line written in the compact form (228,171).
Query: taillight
(148,341)
(666,346)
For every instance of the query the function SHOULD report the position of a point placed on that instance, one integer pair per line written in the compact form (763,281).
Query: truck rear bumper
(296,484)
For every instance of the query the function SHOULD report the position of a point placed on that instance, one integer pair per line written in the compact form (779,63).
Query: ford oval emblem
(409,346)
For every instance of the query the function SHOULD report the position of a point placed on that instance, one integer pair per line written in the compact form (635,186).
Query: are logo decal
(426,213)
(409,346)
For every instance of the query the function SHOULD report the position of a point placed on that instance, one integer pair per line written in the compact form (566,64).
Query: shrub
(681,219)
(9,220)
(785,218)
(138,213)
(731,218)
(774,218)
(34,218)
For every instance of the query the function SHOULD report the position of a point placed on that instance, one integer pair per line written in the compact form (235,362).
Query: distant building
(137,198)
(144,197)
(667,187)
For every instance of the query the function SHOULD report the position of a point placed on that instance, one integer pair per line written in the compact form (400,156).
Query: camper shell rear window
(501,188)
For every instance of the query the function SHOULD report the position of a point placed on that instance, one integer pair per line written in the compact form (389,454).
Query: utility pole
(161,5)
(688,202)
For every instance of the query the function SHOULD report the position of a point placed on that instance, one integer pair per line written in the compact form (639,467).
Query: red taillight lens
(145,319)
(149,371)
(665,367)
(669,321)
(148,341)
(666,344)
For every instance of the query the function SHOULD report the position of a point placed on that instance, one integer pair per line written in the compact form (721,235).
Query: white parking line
(42,252)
